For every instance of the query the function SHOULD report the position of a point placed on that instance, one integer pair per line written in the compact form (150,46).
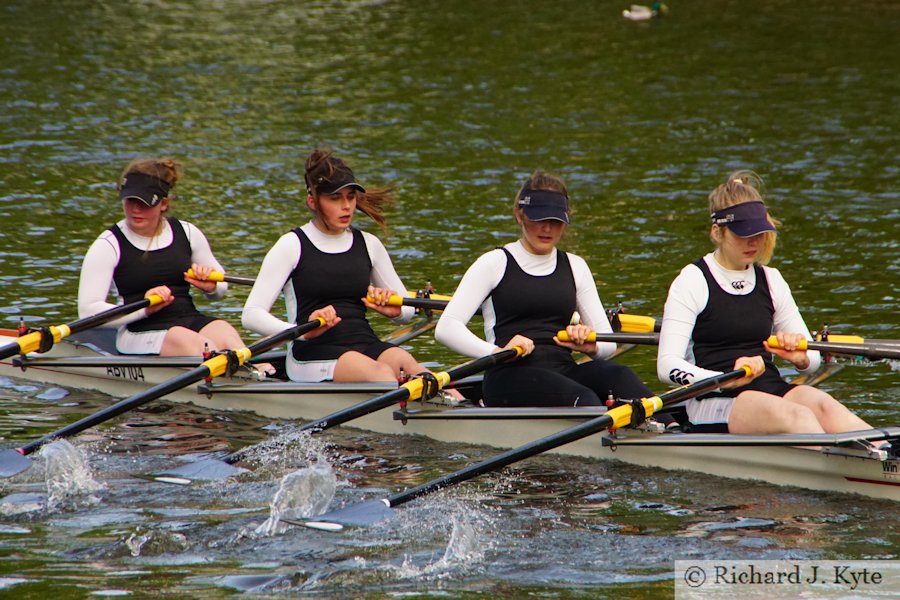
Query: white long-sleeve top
(688,296)
(96,281)
(485,274)
(281,260)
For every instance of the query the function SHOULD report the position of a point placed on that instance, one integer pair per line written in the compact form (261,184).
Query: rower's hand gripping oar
(13,461)
(647,337)
(870,350)
(368,513)
(219,276)
(424,386)
(43,339)
(432,302)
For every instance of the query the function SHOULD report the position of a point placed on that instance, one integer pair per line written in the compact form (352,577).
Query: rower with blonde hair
(718,314)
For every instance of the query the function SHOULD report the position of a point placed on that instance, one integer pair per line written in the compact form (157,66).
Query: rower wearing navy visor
(327,268)
(148,253)
(718,314)
(528,290)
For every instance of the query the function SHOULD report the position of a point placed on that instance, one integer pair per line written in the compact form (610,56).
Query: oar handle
(620,338)
(868,350)
(619,416)
(219,277)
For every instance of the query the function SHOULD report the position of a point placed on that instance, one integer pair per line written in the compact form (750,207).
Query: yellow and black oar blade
(218,276)
(650,339)
(415,388)
(868,350)
(32,342)
(370,512)
(213,367)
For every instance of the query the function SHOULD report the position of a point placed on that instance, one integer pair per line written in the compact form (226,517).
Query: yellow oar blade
(636,323)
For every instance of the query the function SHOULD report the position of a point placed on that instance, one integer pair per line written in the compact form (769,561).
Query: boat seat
(102,339)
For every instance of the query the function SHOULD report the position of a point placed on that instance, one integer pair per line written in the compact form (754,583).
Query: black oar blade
(208,469)
(359,515)
(13,462)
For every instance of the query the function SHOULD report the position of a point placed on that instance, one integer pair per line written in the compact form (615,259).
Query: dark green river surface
(455,102)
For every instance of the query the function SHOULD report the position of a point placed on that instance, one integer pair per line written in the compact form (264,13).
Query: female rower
(719,312)
(528,291)
(327,268)
(148,253)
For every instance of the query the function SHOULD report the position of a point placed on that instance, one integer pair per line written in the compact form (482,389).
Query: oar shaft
(212,367)
(412,389)
(120,407)
(651,339)
(869,350)
(423,303)
(31,342)
(615,417)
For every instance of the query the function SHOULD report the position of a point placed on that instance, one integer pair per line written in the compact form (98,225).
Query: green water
(456,102)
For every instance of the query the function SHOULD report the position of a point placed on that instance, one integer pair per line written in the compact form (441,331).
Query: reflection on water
(455,102)
(551,521)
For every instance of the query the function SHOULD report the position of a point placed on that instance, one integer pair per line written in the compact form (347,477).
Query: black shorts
(333,351)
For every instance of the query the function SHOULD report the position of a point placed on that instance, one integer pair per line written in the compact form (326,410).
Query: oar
(373,511)
(413,389)
(648,338)
(218,276)
(32,342)
(855,339)
(868,350)
(16,460)
(622,322)
(433,302)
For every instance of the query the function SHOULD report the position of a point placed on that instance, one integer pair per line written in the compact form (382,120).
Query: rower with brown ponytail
(327,268)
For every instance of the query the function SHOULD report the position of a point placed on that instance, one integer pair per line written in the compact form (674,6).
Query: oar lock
(638,410)
(233,362)
(46,333)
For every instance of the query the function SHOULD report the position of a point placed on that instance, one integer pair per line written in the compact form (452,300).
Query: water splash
(289,450)
(470,536)
(302,493)
(150,542)
(70,481)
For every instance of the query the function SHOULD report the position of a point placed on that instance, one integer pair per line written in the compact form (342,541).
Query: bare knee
(353,366)
(180,341)
(759,413)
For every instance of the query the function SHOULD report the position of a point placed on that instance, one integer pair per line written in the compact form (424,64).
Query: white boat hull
(837,469)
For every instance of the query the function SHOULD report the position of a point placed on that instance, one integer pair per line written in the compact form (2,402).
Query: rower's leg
(606,376)
(535,386)
(402,361)
(181,341)
(221,335)
(355,366)
(756,412)
(833,416)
